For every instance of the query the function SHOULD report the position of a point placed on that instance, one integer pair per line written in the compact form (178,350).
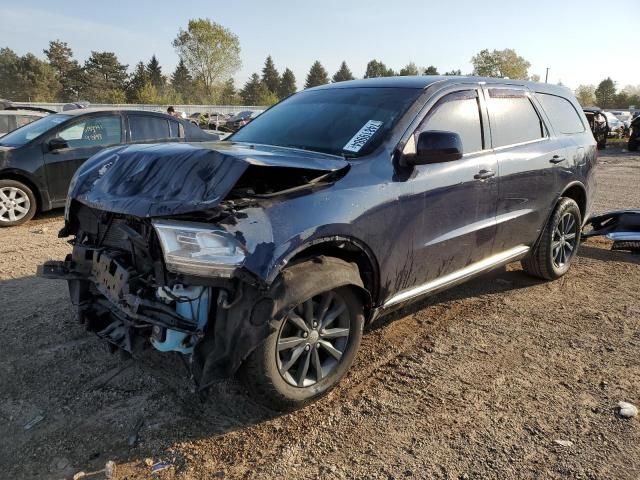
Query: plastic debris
(33,422)
(627,410)
(159,466)
(110,469)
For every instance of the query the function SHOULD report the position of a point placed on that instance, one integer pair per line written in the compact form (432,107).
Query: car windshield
(32,130)
(339,121)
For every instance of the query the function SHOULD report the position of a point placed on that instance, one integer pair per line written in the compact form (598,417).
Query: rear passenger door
(149,128)
(527,156)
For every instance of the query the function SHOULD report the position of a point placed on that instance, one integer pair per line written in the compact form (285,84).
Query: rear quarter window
(563,115)
(145,128)
(514,119)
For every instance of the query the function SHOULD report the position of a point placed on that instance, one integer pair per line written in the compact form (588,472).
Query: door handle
(557,159)
(484,174)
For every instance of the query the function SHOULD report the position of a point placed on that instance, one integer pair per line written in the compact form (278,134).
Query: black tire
(632,145)
(261,371)
(602,144)
(552,258)
(15,197)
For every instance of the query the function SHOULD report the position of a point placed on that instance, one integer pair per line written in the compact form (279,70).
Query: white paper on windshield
(363,136)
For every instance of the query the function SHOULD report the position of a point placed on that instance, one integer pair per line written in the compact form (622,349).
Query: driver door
(77,142)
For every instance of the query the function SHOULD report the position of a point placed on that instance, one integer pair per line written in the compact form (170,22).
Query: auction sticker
(363,136)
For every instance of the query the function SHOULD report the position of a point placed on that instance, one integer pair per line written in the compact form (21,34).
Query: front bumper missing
(621,226)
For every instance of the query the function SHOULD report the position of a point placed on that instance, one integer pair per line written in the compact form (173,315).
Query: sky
(569,37)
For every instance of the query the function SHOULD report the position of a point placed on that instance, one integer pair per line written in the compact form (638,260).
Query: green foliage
(287,84)
(409,69)
(67,70)
(182,83)
(105,78)
(606,93)
(378,69)
(585,94)
(154,71)
(501,64)
(317,75)
(9,87)
(453,73)
(431,70)
(210,51)
(228,94)
(149,94)
(343,74)
(139,78)
(26,78)
(254,92)
(270,76)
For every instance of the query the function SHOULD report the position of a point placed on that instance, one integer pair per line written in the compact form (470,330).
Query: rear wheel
(310,350)
(559,243)
(17,203)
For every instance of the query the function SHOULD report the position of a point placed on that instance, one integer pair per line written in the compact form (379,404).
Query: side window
(513,118)
(144,128)
(24,119)
(174,129)
(458,112)
(562,113)
(94,131)
(4,124)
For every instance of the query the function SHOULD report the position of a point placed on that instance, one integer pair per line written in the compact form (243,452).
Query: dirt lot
(478,382)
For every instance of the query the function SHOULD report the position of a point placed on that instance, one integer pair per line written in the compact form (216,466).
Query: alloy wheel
(563,244)
(14,204)
(313,339)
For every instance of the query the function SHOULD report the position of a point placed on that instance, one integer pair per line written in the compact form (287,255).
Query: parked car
(241,119)
(598,124)
(634,135)
(14,116)
(216,120)
(38,160)
(265,255)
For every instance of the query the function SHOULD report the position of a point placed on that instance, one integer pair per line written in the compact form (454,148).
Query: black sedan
(38,160)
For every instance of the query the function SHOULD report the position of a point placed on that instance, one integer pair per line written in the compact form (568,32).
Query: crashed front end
(158,259)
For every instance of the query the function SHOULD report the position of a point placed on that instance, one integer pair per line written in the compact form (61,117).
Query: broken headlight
(197,249)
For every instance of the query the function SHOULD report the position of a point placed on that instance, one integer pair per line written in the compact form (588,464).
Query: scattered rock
(110,469)
(564,443)
(41,230)
(79,475)
(627,410)
(148,462)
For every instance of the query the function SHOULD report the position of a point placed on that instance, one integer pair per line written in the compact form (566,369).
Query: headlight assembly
(198,249)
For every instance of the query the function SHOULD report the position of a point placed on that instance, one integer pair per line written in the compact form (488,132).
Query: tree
(409,69)
(154,71)
(149,94)
(254,91)
(182,82)
(287,84)
(453,73)
(9,87)
(67,70)
(378,69)
(343,74)
(500,63)
(270,76)
(209,50)
(228,94)
(535,77)
(605,93)
(317,75)
(30,79)
(105,78)
(585,94)
(431,70)
(139,79)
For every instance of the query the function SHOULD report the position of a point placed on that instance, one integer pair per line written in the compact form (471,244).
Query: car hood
(170,179)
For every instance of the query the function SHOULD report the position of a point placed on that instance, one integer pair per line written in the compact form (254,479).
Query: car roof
(424,81)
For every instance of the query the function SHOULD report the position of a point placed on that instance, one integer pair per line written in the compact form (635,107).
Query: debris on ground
(160,466)
(564,443)
(627,410)
(33,422)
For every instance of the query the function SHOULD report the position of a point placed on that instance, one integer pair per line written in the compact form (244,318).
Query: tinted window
(563,115)
(513,118)
(145,128)
(94,131)
(174,129)
(460,113)
(349,121)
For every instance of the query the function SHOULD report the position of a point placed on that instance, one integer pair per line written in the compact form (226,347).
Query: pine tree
(409,69)
(343,74)
(139,78)
(254,91)
(287,84)
(182,82)
(228,94)
(105,78)
(378,69)
(154,71)
(317,75)
(67,70)
(270,76)
(431,70)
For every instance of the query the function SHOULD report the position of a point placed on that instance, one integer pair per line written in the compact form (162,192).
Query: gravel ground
(478,382)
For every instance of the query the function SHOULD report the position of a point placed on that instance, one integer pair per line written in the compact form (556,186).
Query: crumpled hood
(175,178)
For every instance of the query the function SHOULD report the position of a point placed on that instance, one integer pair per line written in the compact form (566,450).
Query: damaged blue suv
(266,254)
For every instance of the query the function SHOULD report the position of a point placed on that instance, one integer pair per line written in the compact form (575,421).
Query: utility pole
(546,77)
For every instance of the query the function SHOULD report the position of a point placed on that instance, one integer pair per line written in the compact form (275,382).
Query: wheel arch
(41,201)
(578,193)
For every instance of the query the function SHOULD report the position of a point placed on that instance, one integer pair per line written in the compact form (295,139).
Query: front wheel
(559,243)
(310,350)
(17,203)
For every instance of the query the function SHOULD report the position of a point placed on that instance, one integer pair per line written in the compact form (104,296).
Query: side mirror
(57,143)
(435,146)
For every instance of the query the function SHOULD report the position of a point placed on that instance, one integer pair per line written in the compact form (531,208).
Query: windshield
(339,121)
(25,134)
